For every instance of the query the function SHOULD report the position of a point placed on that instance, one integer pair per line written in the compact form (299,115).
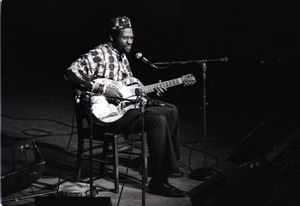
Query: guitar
(108,109)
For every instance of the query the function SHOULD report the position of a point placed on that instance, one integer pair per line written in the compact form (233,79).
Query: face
(124,40)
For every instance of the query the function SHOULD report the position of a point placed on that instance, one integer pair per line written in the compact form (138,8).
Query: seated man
(161,121)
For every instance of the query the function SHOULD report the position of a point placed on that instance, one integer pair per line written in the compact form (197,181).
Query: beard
(122,47)
(127,49)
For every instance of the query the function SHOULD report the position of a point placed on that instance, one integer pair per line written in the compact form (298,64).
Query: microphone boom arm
(224,59)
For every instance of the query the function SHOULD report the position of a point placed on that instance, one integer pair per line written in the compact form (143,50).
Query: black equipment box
(22,164)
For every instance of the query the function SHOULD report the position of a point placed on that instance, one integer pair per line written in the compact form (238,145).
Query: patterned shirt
(103,61)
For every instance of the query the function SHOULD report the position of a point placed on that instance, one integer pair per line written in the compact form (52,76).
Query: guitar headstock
(188,80)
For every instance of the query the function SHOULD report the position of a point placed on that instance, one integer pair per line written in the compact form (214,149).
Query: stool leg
(116,163)
(104,157)
(79,158)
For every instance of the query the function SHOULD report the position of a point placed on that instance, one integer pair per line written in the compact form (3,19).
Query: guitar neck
(170,83)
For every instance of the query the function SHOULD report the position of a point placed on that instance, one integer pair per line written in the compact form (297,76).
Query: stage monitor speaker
(270,132)
(22,164)
(74,201)
(241,185)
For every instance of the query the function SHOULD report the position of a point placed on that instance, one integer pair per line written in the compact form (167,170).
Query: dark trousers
(161,123)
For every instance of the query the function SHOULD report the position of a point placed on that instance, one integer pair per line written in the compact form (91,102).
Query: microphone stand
(144,167)
(203,173)
(91,147)
(223,59)
(200,173)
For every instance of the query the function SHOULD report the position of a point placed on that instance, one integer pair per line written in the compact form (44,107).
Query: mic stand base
(202,174)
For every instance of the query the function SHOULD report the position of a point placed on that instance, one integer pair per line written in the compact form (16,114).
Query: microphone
(224,59)
(140,56)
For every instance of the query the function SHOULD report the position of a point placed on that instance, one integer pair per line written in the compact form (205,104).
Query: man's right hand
(112,91)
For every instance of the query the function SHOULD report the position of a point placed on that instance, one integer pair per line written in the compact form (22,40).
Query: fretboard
(170,83)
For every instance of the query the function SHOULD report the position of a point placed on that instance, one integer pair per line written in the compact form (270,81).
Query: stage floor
(46,115)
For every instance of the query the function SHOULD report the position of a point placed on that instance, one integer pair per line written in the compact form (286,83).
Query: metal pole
(144,176)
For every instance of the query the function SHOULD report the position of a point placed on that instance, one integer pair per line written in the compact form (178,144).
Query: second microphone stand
(203,173)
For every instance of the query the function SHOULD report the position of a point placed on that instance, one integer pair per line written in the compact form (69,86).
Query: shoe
(165,189)
(176,173)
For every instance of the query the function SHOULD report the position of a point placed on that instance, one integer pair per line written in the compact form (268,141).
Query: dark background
(41,38)
(253,99)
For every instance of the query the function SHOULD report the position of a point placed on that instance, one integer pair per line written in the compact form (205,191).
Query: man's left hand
(160,90)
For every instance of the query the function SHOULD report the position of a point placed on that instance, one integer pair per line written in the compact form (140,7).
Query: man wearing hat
(161,121)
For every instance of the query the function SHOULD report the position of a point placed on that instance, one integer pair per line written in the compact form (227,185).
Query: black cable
(26,132)
(46,133)
(211,141)
(37,119)
(209,154)
(193,149)
(68,146)
(126,173)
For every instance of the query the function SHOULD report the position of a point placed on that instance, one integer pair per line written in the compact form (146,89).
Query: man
(161,122)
